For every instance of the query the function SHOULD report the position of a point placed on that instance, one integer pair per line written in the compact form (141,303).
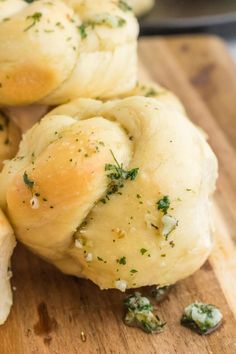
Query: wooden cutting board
(51,310)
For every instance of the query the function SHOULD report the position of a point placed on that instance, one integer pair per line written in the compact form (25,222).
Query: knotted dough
(54,51)
(61,197)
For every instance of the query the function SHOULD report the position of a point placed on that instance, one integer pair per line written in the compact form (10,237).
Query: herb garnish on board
(139,313)
(201,318)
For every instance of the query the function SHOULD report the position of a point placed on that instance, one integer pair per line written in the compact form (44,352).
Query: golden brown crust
(18,91)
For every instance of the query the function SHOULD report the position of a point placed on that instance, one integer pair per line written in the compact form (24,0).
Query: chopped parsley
(121,260)
(82,31)
(151,93)
(133,271)
(48,31)
(122,4)
(201,318)
(29,1)
(28,182)
(117,176)
(103,19)
(107,20)
(143,251)
(163,204)
(139,313)
(36,17)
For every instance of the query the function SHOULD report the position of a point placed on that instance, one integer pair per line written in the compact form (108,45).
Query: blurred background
(189,16)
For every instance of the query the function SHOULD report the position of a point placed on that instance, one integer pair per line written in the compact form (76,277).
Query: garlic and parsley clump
(169,222)
(201,318)
(117,176)
(139,313)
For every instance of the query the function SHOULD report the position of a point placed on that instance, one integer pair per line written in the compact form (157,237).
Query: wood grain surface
(51,310)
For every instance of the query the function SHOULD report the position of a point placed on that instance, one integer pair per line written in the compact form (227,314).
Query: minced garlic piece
(34,202)
(89,257)
(169,224)
(121,285)
(120,233)
(78,244)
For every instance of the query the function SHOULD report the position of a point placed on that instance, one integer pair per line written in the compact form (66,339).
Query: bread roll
(54,51)
(116,192)
(7,244)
